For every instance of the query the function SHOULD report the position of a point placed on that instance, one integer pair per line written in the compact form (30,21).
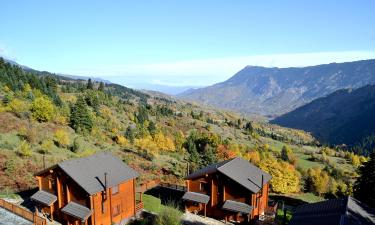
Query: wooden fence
(173,186)
(37,220)
(147,186)
(155,183)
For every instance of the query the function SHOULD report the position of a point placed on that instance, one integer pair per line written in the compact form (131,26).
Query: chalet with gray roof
(234,190)
(94,190)
(342,211)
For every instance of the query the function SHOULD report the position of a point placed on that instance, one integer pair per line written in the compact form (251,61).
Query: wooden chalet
(341,211)
(234,190)
(95,190)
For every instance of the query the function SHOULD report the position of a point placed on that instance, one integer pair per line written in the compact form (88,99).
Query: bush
(24,149)
(19,107)
(42,109)
(121,140)
(62,138)
(47,146)
(169,215)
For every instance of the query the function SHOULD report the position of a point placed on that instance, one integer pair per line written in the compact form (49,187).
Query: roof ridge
(227,161)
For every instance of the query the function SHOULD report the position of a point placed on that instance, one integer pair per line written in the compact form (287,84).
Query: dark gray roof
(77,211)
(196,197)
(344,211)
(44,197)
(89,172)
(237,207)
(239,170)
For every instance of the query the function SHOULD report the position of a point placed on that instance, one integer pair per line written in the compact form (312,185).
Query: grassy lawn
(152,203)
(305,163)
(309,197)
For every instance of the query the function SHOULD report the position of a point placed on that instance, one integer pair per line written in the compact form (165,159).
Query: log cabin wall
(116,207)
(220,188)
(123,202)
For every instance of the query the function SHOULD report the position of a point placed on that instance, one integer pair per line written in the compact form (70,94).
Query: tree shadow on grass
(25,195)
(167,195)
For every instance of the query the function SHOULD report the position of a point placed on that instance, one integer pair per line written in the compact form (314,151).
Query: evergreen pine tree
(364,187)
(80,118)
(130,134)
(101,86)
(90,85)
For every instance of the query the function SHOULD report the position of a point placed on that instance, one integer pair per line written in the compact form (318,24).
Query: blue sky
(183,43)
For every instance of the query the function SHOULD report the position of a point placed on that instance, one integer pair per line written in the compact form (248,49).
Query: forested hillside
(344,117)
(275,91)
(46,118)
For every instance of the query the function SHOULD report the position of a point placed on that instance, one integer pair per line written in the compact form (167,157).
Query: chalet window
(116,210)
(51,183)
(204,187)
(115,190)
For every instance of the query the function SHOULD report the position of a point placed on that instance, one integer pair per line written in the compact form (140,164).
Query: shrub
(46,146)
(169,215)
(24,149)
(19,107)
(42,109)
(62,138)
(78,144)
(121,140)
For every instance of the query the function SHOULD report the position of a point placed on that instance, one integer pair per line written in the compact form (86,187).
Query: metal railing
(26,214)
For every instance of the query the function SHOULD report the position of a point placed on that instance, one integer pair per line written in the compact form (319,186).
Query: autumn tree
(285,178)
(317,181)
(62,138)
(287,155)
(42,109)
(364,187)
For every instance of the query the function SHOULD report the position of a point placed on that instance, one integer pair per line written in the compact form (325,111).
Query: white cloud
(208,71)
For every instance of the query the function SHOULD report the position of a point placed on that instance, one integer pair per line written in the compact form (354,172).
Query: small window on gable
(115,190)
(204,187)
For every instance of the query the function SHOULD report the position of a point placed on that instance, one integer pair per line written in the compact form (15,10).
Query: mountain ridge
(274,91)
(343,117)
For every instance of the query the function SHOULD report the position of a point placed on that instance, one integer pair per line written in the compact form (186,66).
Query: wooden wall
(67,190)
(221,189)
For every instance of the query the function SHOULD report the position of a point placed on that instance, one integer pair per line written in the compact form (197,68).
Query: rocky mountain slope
(274,91)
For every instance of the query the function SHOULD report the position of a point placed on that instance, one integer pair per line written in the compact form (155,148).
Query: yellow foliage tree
(47,146)
(285,178)
(19,106)
(121,140)
(62,138)
(253,157)
(42,109)
(24,149)
(318,181)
